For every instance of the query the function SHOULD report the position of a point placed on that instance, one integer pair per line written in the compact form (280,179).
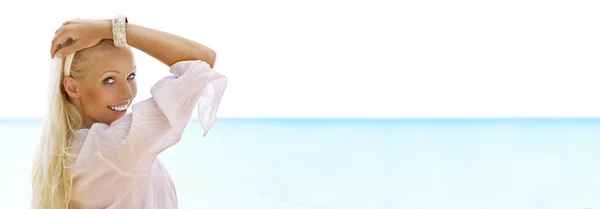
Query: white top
(117,165)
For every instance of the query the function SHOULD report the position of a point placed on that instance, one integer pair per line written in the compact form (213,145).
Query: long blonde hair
(51,177)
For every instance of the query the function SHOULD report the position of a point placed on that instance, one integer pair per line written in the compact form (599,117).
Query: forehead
(120,60)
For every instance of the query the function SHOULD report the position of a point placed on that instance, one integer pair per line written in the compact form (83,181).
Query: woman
(91,153)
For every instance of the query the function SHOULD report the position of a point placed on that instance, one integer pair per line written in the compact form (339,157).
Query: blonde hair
(51,177)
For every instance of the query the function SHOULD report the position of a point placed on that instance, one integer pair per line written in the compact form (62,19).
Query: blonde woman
(92,153)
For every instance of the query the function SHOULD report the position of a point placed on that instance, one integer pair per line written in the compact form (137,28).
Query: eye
(131,76)
(109,80)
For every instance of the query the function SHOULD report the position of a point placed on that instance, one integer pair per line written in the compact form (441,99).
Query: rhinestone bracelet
(119,30)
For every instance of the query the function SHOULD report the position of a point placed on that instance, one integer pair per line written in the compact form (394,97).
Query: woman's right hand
(79,34)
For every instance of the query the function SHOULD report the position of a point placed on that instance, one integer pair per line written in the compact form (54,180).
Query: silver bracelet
(119,31)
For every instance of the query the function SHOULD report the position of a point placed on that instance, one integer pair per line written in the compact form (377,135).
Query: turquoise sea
(362,164)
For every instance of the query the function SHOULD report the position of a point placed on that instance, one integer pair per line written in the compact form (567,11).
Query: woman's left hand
(81,34)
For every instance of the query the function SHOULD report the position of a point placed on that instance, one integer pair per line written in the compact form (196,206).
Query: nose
(125,92)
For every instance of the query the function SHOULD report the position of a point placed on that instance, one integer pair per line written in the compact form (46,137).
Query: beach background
(379,164)
(352,104)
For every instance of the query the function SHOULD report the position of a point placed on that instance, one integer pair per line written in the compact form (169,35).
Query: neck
(86,120)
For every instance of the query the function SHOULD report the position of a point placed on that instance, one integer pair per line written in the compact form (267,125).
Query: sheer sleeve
(131,143)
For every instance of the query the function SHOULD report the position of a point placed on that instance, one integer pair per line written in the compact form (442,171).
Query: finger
(57,41)
(71,21)
(58,30)
(66,50)
(65,24)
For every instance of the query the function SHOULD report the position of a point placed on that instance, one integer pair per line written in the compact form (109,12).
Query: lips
(119,109)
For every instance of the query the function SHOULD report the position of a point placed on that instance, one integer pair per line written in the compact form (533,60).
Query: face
(107,88)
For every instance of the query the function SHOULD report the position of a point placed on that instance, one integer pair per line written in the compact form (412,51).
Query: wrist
(106,26)
(119,30)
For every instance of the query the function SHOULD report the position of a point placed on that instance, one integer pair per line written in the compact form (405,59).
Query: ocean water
(362,164)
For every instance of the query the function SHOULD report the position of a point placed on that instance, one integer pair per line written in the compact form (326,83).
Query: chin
(110,116)
(111,119)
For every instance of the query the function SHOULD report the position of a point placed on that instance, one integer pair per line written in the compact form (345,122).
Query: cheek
(95,96)
(133,89)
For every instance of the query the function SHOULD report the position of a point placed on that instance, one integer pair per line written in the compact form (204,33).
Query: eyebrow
(114,71)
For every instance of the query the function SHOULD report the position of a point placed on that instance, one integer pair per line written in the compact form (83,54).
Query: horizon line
(364,118)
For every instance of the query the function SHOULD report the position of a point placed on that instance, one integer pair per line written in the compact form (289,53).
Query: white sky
(515,58)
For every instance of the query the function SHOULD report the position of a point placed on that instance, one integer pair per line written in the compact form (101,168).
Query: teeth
(119,108)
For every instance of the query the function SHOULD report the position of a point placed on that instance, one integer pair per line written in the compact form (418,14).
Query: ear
(71,87)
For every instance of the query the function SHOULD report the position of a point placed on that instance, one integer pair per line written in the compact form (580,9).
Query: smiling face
(103,84)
